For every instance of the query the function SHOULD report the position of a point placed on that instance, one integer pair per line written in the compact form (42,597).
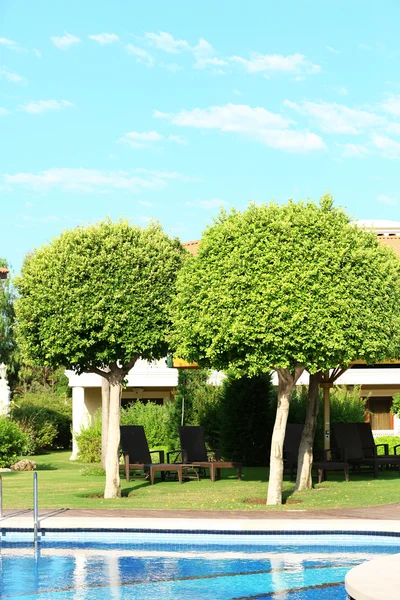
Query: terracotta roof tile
(3,273)
(390,241)
(192,247)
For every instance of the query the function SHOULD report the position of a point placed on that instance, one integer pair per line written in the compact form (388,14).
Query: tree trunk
(113,488)
(304,466)
(105,411)
(287,381)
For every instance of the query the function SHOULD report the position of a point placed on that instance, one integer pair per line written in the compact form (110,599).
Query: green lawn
(61,485)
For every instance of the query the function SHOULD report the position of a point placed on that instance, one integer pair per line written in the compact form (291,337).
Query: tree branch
(104,374)
(130,365)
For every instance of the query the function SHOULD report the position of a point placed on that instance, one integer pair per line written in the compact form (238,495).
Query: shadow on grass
(46,467)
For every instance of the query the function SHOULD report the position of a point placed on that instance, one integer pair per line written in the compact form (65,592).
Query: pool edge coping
(187,525)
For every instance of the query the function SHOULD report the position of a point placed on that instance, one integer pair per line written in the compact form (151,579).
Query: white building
(154,382)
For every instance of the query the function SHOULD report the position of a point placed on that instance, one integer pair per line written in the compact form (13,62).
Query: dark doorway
(381,415)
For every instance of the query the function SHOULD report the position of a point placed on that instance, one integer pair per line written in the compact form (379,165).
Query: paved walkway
(386,512)
(378,518)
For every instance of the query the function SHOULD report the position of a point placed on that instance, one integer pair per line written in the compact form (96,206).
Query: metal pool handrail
(35,504)
(35,507)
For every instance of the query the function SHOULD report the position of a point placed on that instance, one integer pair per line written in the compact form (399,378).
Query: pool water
(120,566)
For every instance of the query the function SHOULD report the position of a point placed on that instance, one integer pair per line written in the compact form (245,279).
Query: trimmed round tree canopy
(283,285)
(98,295)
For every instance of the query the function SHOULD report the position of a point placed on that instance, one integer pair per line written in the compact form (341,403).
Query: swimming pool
(143,566)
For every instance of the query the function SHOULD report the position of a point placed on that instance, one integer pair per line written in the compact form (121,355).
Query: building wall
(146,381)
(157,381)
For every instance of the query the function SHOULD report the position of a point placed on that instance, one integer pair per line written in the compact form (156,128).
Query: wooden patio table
(216,466)
(163,468)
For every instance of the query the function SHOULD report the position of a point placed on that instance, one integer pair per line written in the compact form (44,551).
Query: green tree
(8,347)
(245,418)
(196,402)
(287,287)
(95,300)
(33,378)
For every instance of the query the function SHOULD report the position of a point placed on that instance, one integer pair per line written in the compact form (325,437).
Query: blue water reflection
(187,567)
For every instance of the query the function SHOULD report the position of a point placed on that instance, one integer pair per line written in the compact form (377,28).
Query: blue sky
(169,110)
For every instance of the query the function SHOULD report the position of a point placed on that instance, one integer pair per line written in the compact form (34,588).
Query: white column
(5,393)
(80,416)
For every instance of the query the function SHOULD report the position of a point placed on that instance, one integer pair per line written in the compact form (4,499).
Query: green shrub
(153,417)
(89,441)
(46,417)
(245,420)
(92,470)
(37,379)
(196,403)
(395,408)
(13,442)
(391,440)
(347,406)
(40,433)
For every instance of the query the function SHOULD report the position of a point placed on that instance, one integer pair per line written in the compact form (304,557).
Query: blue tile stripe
(273,532)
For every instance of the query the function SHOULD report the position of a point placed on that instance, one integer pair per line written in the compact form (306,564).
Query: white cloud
(337,118)
(256,123)
(37,53)
(9,44)
(4,111)
(66,41)
(10,76)
(276,63)
(333,50)
(292,141)
(388,148)
(92,180)
(203,52)
(392,105)
(147,139)
(393,128)
(355,151)
(166,175)
(140,140)
(178,139)
(142,56)
(338,89)
(231,117)
(40,106)
(382,199)
(104,38)
(166,42)
(211,61)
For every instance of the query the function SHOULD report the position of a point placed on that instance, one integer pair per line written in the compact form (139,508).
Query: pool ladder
(35,505)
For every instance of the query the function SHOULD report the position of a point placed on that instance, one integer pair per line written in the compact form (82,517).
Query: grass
(62,485)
